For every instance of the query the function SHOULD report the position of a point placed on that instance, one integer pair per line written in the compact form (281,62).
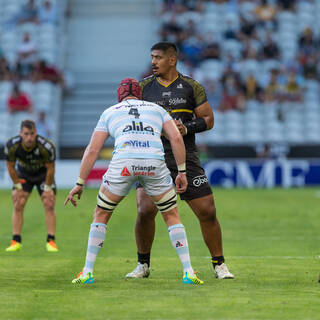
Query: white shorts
(153,174)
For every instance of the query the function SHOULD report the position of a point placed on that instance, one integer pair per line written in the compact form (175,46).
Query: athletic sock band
(17,238)
(51,237)
(217,261)
(144,258)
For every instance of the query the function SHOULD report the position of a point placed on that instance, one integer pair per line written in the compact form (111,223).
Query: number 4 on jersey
(134,112)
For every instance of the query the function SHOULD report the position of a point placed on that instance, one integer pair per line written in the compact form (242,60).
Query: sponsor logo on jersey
(143,170)
(136,144)
(138,127)
(166,94)
(175,101)
(199,180)
(125,172)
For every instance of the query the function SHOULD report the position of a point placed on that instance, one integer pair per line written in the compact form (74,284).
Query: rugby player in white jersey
(138,156)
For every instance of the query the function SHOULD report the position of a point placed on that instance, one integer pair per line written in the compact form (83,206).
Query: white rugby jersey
(136,126)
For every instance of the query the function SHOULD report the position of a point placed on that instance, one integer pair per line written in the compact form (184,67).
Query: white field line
(265,257)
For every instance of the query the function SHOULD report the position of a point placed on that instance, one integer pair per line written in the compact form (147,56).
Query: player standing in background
(138,156)
(186,101)
(31,162)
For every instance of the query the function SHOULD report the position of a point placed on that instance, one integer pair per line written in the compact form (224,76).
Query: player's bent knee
(146,210)
(208,214)
(19,203)
(167,202)
(104,203)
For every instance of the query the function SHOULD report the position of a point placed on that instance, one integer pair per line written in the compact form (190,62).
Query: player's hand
(181,183)
(181,127)
(76,190)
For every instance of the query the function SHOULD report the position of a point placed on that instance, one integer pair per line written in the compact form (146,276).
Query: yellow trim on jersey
(166,86)
(26,148)
(181,110)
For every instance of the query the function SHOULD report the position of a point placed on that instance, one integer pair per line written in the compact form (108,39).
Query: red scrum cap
(129,87)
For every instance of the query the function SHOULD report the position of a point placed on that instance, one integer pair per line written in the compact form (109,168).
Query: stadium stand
(43,23)
(263,65)
(258,60)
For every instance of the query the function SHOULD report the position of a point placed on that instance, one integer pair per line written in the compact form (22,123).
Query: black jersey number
(134,112)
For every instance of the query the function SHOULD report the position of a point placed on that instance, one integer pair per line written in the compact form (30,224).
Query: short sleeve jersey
(180,98)
(31,161)
(136,126)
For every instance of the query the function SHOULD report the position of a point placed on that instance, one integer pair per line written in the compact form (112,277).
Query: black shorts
(198,184)
(28,181)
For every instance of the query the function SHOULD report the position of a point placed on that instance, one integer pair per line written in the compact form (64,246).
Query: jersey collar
(166,86)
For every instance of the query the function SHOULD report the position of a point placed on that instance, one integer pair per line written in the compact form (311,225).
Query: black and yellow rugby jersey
(30,160)
(179,98)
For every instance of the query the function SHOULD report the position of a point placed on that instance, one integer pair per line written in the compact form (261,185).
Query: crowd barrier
(224,173)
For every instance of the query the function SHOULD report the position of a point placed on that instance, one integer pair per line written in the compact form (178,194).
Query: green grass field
(271,244)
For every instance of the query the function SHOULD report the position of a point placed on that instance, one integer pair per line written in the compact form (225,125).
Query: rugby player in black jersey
(31,162)
(186,101)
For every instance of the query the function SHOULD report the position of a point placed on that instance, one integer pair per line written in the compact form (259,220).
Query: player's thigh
(204,207)
(119,177)
(198,184)
(19,198)
(158,181)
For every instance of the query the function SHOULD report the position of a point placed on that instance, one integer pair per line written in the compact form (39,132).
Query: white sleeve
(102,124)
(166,116)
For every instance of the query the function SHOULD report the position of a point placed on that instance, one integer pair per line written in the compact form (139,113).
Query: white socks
(97,235)
(179,242)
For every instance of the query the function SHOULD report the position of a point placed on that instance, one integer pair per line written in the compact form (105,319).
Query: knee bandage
(167,202)
(104,203)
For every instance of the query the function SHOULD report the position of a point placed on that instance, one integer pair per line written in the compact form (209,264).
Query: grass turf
(271,243)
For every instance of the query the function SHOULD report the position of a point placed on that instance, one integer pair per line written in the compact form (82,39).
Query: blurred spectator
(230,32)
(265,14)
(27,13)
(293,91)
(26,57)
(272,91)
(270,49)
(44,72)
(18,101)
(214,92)
(232,97)
(212,49)
(272,150)
(307,42)
(252,90)
(287,4)
(308,55)
(264,151)
(171,30)
(247,30)
(44,126)
(47,12)
(5,72)
(192,49)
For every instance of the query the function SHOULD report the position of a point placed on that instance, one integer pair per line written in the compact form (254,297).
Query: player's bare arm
(88,160)
(203,111)
(179,153)
(50,173)
(12,172)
